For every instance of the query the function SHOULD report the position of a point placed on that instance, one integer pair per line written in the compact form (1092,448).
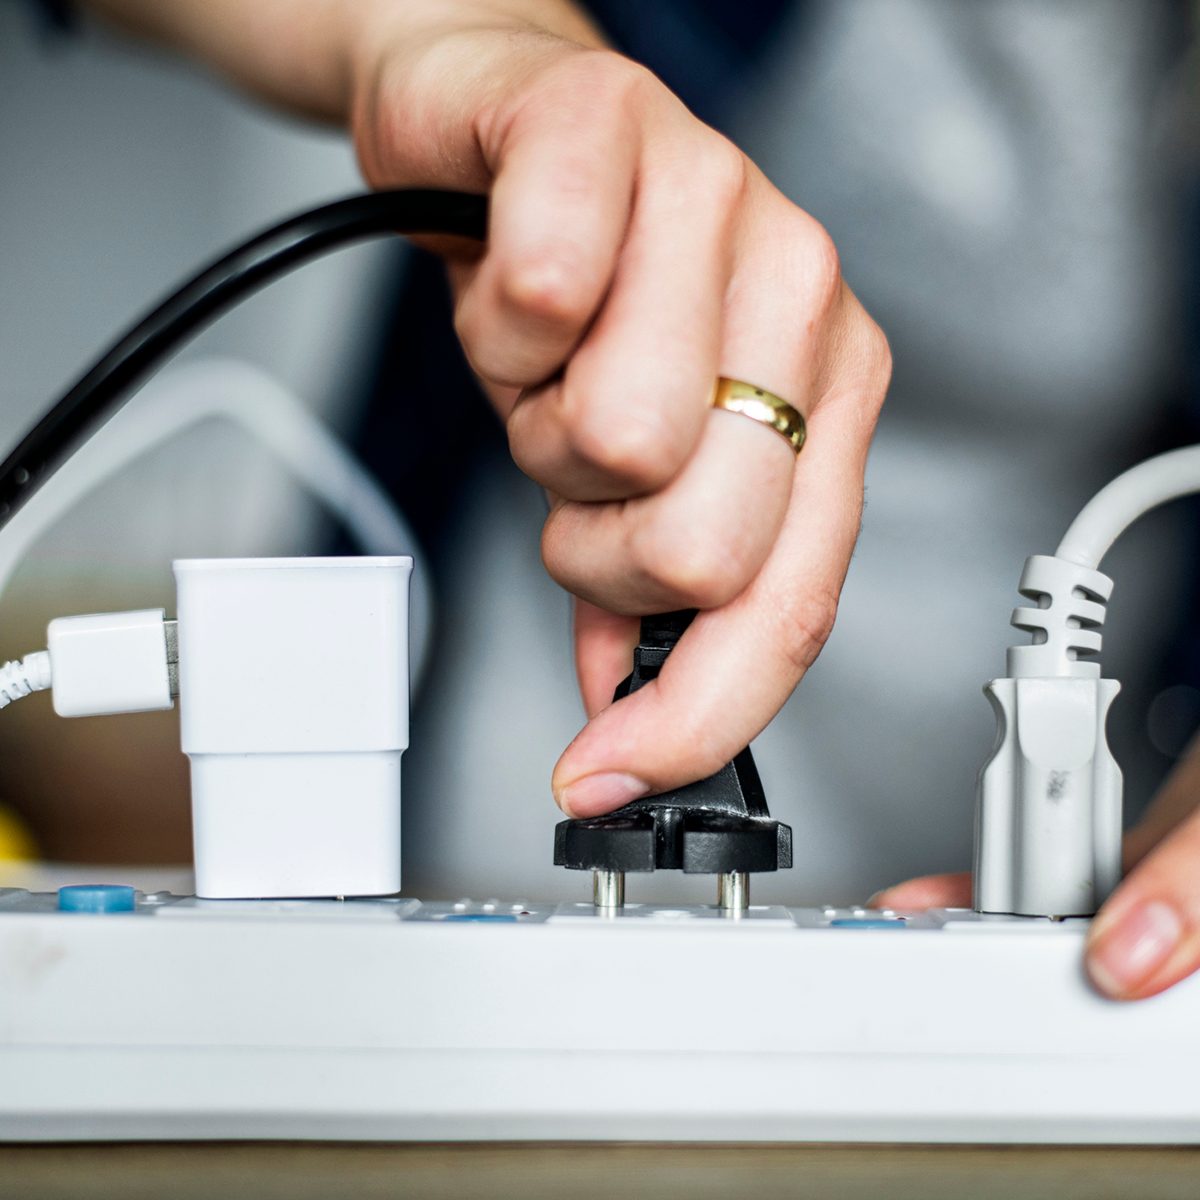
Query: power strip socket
(466,1020)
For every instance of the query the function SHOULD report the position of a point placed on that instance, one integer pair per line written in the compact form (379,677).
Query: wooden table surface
(299,1171)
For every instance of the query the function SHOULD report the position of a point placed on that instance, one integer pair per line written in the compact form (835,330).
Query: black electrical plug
(717,826)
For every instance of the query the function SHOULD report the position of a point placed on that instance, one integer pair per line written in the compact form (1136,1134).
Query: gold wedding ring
(765,407)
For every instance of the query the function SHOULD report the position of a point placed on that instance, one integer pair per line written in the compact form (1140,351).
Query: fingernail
(600,793)
(1128,952)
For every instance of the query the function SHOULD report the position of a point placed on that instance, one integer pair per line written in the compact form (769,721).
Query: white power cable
(29,674)
(1116,506)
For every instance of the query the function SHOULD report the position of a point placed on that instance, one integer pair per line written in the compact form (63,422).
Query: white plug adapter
(292,675)
(293,684)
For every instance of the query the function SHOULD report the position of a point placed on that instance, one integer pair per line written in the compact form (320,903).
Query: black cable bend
(216,289)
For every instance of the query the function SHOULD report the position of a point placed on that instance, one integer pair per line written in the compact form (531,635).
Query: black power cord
(216,289)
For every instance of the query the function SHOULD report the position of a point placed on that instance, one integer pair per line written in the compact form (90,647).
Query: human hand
(633,256)
(1146,937)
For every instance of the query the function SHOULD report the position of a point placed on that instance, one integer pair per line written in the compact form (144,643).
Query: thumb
(1147,936)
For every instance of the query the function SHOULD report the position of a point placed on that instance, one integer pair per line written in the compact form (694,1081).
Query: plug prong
(733,892)
(608,890)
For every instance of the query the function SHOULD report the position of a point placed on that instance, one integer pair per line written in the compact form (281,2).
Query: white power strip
(393,1019)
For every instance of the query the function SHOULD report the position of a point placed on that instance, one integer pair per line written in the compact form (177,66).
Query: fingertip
(599,793)
(1137,953)
(1107,984)
(564,806)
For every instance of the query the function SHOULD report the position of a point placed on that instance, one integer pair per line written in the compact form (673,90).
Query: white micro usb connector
(100,663)
(111,663)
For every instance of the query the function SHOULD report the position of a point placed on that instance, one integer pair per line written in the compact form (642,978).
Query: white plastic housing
(293,684)
(109,663)
(389,1020)
(1048,838)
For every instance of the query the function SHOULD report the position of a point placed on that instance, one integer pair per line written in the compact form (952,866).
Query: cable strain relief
(1065,622)
(30,674)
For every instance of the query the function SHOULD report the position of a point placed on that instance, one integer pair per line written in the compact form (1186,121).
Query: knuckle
(858,369)
(557,548)
(866,374)
(877,356)
(692,565)
(725,172)
(616,77)
(505,361)
(881,355)
(804,635)
(591,83)
(550,284)
(571,560)
(477,346)
(704,165)
(821,263)
(470,329)
(624,447)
